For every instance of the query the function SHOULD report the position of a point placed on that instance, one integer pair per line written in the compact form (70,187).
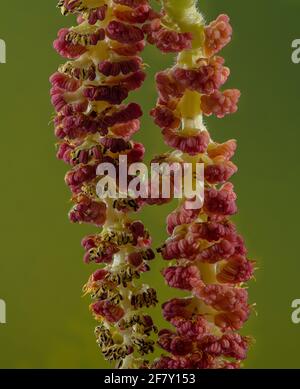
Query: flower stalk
(94,125)
(208,256)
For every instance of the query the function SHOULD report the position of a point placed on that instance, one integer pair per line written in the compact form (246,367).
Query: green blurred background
(48,323)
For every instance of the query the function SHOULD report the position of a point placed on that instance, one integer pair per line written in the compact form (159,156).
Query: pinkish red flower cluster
(209,257)
(165,39)
(95,125)
(206,78)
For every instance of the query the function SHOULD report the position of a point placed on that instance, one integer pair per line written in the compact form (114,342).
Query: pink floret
(217,35)
(221,104)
